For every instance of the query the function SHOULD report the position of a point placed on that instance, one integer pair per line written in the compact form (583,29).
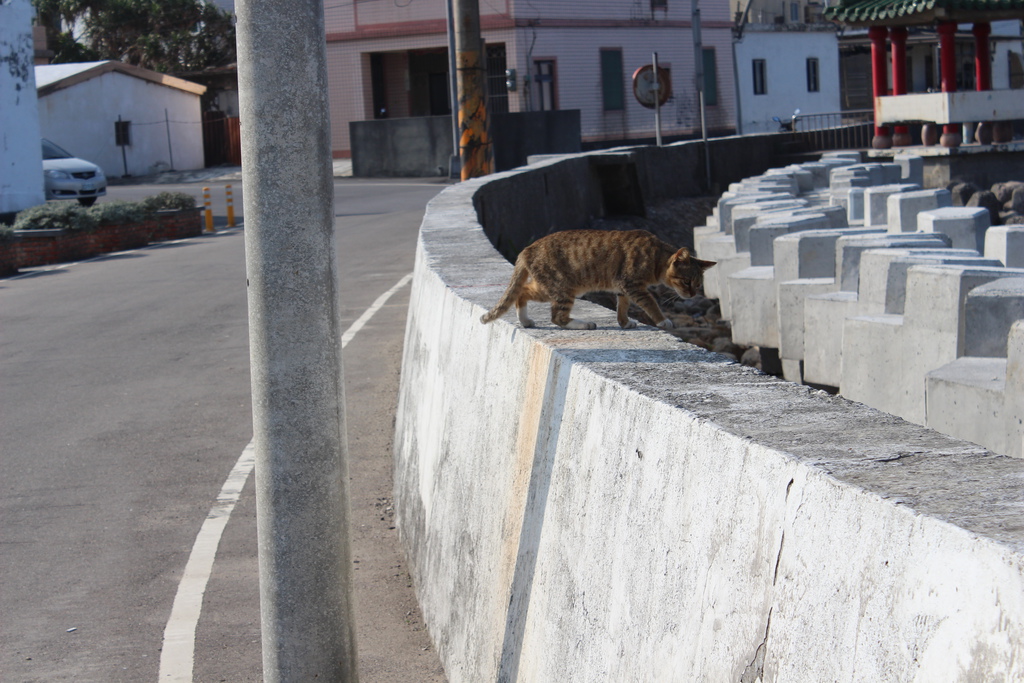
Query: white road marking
(177,658)
(369,312)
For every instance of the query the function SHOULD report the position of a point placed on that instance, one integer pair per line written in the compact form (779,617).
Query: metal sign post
(657,101)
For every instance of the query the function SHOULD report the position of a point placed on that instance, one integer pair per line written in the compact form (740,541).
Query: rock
(1015,220)
(1004,191)
(961,192)
(1016,201)
(751,357)
(987,200)
(726,346)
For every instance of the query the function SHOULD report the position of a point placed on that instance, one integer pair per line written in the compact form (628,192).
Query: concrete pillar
(951,136)
(879,81)
(295,344)
(898,40)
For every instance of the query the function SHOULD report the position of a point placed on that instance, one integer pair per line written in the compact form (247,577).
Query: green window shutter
(613,92)
(710,78)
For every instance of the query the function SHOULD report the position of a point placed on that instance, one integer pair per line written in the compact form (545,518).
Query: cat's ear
(681,256)
(704,265)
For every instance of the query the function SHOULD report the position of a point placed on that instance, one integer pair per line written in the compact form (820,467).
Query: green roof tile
(918,12)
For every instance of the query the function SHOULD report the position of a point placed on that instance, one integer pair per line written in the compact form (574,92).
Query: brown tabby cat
(563,265)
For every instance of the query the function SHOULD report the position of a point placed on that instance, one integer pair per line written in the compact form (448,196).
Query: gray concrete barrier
(615,505)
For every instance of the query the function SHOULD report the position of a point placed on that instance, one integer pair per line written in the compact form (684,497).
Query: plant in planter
(119,212)
(168,201)
(56,216)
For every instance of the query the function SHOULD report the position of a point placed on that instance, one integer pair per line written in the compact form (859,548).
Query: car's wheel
(86,201)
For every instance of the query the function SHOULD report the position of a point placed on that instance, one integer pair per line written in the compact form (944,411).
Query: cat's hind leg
(560,309)
(524,319)
(622,313)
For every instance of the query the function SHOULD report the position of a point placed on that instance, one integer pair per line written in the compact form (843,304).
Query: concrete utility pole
(295,344)
(474,143)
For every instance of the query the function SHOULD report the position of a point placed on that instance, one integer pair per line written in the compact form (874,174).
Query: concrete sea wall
(615,505)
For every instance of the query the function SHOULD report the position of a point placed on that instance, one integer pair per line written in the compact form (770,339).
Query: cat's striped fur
(563,265)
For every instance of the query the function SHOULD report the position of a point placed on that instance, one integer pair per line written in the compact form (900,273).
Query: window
(613,91)
(544,78)
(760,84)
(812,74)
(710,77)
(794,12)
(659,4)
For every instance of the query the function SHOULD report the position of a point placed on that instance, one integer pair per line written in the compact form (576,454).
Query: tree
(163,35)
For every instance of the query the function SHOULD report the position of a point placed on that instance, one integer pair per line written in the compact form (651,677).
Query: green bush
(169,201)
(56,216)
(6,233)
(119,212)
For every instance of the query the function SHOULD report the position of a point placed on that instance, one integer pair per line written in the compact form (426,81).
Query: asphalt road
(124,404)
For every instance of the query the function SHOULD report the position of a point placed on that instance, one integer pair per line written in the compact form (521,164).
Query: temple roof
(922,12)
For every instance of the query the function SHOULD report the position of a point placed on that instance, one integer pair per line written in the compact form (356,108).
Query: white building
(80,104)
(782,68)
(21,158)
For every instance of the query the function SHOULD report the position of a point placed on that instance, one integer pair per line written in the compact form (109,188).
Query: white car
(66,177)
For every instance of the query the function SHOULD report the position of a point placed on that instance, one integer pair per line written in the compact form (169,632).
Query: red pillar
(879,82)
(898,40)
(951,136)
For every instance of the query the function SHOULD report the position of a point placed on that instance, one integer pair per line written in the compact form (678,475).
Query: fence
(831,130)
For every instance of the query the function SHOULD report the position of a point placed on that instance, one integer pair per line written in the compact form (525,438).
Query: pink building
(389,59)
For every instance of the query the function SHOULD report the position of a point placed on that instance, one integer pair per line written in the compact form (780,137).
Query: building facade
(390,60)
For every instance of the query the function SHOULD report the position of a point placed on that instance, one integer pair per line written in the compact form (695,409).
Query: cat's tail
(519,276)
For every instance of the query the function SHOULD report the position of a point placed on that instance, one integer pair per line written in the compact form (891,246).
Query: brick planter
(41,247)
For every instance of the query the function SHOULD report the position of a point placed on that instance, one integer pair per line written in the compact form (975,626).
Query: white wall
(785,54)
(81,120)
(614,505)
(21,158)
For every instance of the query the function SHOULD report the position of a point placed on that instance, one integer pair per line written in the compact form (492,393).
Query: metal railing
(833,130)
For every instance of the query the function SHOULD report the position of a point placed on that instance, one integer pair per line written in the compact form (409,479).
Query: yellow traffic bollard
(231,208)
(209,212)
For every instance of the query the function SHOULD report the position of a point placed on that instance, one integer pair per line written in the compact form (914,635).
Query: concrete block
(1014,395)
(934,315)
(730,199)
(754,314)
(871,369)
(811,254)
(883,274)
(965,226)
(1006,243)
(726,267)
(855,205)
(967,399)
(911,168)
(718,249)
(990,311)
(903,207)
(824,315)
(876,207)
(819,173)
(770,226)
(835,215)
(841,156)
(850,247)
(791,296)
(745,215)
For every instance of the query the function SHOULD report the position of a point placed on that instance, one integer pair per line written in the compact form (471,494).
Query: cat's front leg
(644,300)
(622,313)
